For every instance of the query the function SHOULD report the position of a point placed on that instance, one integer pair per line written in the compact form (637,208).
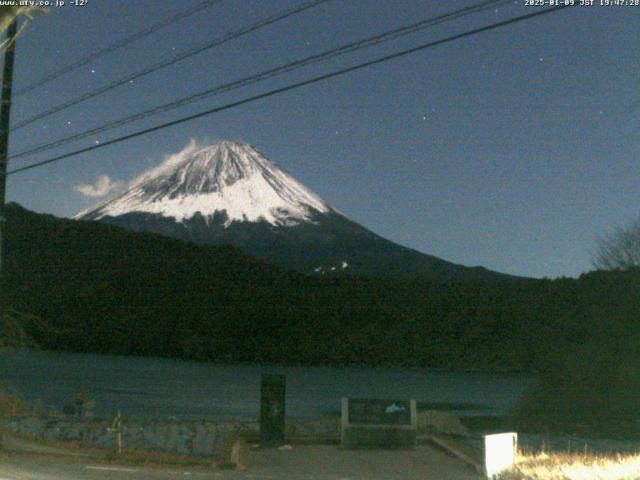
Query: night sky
(513,149)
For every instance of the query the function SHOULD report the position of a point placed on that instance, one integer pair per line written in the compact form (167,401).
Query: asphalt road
(303,463)
(29,467)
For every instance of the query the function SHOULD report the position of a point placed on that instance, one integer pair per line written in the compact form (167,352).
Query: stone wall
(193,437)
(189,437)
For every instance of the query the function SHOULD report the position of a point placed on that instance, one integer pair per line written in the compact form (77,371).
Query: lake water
(163,388)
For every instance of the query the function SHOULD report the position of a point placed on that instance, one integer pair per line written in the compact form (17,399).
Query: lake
(164,388)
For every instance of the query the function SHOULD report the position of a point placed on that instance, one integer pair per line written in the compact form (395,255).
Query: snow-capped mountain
(230,193)
(225,177)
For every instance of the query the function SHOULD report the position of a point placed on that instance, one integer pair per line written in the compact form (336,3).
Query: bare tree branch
(619,249)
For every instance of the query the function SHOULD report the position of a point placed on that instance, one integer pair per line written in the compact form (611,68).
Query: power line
(296,85)
(117,45)
(264,75)
(166,63)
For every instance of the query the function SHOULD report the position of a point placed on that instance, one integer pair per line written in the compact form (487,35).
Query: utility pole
(5,111)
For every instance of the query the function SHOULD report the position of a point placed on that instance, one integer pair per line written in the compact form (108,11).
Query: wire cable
(117,45)
(166,63)
(296,85)
(264,75)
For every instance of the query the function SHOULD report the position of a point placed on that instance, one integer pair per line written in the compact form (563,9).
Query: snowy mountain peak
(226,177)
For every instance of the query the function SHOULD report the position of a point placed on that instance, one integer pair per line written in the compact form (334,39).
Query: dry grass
(562,466)
(12,404)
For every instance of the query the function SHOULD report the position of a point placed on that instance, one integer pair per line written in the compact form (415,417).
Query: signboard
(374,422)
(272,410)
(499,452)
(379,412)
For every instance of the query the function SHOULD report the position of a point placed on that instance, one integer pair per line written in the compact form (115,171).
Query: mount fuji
(230,193)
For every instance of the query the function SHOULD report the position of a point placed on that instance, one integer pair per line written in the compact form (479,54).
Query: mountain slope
(226,177)
(99,288)
(230,193)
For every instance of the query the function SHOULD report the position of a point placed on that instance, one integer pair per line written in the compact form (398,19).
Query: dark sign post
(272,410)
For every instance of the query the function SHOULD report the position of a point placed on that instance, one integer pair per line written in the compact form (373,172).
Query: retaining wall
(189,437)
(193,437)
